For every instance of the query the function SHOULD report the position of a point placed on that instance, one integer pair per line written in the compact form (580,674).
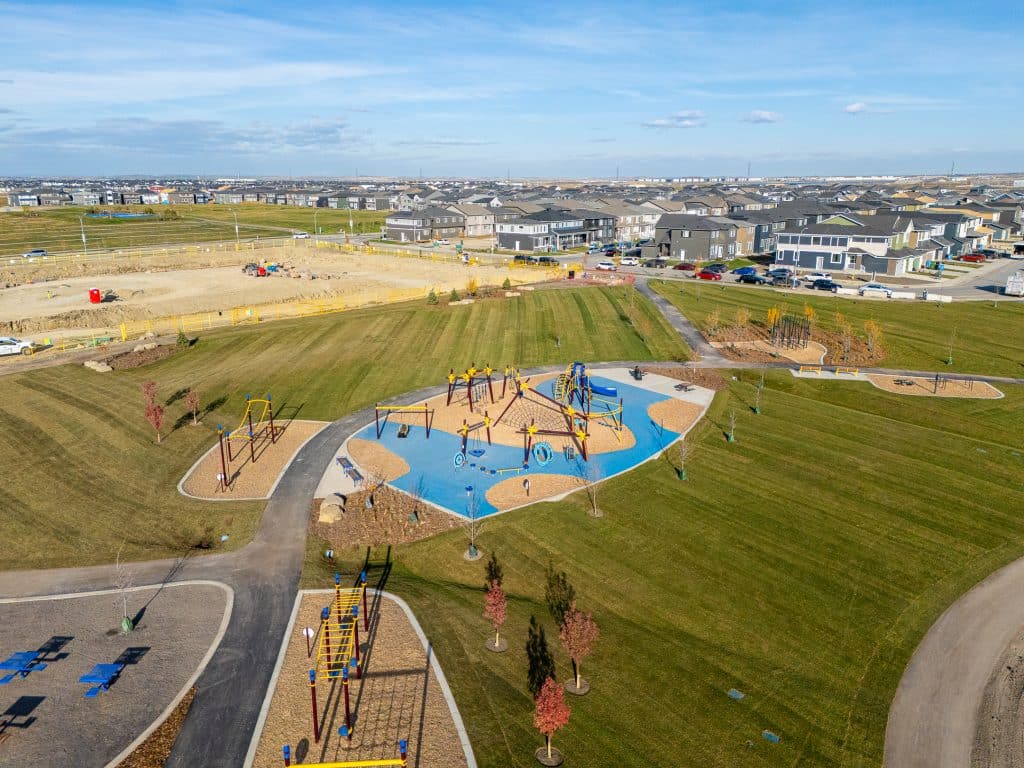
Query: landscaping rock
(97,365)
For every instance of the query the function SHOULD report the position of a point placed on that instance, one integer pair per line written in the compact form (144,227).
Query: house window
(779,256)
(836,258)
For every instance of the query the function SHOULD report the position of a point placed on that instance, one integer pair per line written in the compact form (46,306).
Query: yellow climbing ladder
(563,384)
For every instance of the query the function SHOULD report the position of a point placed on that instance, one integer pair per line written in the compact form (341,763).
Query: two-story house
(479,219)
(845,243)
(685,237)
(424,225)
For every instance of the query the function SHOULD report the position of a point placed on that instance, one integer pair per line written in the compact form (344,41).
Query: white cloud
(763,116)
(855,108)
(445,142)
(684,118)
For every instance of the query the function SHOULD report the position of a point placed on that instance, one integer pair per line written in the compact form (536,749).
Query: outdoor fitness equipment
(400,762)
(338,647)
(246,431)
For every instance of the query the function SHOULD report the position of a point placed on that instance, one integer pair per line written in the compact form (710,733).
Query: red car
(705,274)
(977,258)
(685,266)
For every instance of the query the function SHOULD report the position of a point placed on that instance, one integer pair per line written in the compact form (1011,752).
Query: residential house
(845,243)
(686,237)
(765,226)
(479,219)
(600,225)
(430,223)
(23,199)
(961,230)
(632,222)
(227,197)
(181,198)
(85,197)
(522,234)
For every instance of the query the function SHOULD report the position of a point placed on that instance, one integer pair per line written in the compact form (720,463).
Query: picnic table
(20,663)
(102,675)
(685,386)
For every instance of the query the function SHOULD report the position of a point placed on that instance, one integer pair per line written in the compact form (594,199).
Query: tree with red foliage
(155,416)
(149,391)
(579,633)
(192,403)
(495,608)
(551,713)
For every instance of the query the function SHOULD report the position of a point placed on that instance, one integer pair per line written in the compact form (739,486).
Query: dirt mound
(128,360)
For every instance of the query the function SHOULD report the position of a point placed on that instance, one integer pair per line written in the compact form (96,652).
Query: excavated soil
(925,387)
(397,698)
(127,360)
(250,481)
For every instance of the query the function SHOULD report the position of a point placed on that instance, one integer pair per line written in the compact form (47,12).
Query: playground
(246,461)
(76,691)
(496,439)
(374,686)
(935,386)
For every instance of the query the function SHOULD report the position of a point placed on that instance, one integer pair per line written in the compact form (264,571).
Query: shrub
(507,285)
(432,297)
(453,296)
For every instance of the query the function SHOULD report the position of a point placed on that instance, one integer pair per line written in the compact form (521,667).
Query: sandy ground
(398,698)
(1000,736)
(58,725)
(376,461)
(812,354)
(62,304)
(602,437)
(675,415)
(511,492)
(924,387)
(250,481)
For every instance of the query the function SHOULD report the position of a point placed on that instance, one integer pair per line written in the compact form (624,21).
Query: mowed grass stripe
(800,564)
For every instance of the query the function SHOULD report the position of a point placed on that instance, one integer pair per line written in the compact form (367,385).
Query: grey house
(685,237)
(846,243)
(427,224)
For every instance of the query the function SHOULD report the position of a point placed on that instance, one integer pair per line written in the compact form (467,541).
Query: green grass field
(82,469)
(59,229)
(800,565)
(988,337)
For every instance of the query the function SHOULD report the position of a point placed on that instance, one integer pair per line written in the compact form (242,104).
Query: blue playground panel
(434,475)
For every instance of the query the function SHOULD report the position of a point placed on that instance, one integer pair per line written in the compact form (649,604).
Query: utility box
(1015,284)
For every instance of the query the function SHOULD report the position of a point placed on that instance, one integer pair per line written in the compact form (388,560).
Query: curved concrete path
(934,715)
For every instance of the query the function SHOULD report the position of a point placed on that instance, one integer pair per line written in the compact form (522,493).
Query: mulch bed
(709,378)
(127,360)
(155,750)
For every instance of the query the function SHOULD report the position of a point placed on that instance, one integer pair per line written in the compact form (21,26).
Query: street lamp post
(314,228)
(85,244)
(236,228)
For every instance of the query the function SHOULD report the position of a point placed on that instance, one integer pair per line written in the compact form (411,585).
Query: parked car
(717,267)
(825,285)
(35,253)
(874,289)
(786,281)
(607,266)
(549,261)
(525,258)
(707,274)
(745,271)
(441,242)
(12,346)
(686,266)
(751,279)
(631,252)
(780,272)
(656,263)
(813,277)
(629,261)
(976,258)
(645,241)
(300,235)
(610,252)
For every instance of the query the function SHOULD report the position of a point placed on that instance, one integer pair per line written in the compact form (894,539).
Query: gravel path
(52,716)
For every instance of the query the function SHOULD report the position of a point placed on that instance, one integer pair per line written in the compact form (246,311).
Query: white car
(35,253)
(629,261)
(301,235)
(874,289)
(11,346)
(607,266)
(817,276)
(443,242)
(1018,255)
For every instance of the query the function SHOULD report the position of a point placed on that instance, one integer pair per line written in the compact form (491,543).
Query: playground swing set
(248,432)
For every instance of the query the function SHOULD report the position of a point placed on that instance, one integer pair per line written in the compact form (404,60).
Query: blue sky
(552,89)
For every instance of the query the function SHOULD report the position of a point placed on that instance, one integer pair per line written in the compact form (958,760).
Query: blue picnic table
(102,675)
(20,663)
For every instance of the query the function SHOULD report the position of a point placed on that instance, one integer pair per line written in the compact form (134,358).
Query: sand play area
(927,387)
(762,350)
(476,477)
(249,480)
(170,288)
(398,697)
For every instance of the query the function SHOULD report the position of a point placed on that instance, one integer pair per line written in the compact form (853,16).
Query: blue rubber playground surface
(434,477)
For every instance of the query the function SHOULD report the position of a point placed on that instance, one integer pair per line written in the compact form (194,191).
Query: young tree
(682,454)
(759,392)
(742,317)
(453,296)
(559,594)
(507,284)
(551,713)
(432,297)
(495,608)
(712,321)
(540,664)
(774,315)
(579,633)
(810,313)
(494,572)
(474,524)
(192,403)
(148,391)
(123,584)
(588,475)
(730,436)
(155,416)
(471,286)
(874,332)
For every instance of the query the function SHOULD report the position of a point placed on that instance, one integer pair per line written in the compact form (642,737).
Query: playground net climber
(246,432)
